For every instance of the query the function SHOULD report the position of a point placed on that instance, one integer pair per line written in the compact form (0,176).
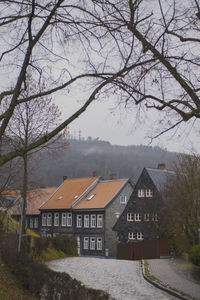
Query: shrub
(66,244)
(194,255)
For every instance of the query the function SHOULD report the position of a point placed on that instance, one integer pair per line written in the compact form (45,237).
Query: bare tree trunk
(24,192)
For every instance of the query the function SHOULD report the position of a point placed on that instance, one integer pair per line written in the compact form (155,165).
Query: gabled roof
(34,200)
(101,194)
(69,192)
(159,176)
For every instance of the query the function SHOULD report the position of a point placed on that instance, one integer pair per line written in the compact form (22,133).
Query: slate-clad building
(87,208)
(140,218)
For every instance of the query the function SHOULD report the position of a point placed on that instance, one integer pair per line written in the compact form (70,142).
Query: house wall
(90,233)
(111,239)
(141,205)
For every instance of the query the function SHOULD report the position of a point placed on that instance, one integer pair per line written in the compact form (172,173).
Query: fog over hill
(82,157)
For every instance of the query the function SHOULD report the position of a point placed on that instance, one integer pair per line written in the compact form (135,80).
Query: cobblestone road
(122,279)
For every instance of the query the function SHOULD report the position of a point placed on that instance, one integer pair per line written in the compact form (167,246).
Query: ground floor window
(131,235)
(92,243)
(99,243)
(140,235)
(86,243)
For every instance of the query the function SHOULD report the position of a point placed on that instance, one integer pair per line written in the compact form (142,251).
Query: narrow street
(122,279)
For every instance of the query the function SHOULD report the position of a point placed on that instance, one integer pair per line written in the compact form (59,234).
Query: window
(36,222)
(140,235)
(141,193)
(146,217)
(99,221)
(123,199)
(99,243)
(93,221)
(44,219)
(131,235)
(64,219)
(31,222)
(69,220)
(137,217)
(49,219)
(149,193)
(56,219)
(86,221)
(155,217)
(130,217)
(85,243)
(79,221)
(92,243)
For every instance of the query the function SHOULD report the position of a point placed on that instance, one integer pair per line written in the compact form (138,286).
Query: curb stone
(157,283)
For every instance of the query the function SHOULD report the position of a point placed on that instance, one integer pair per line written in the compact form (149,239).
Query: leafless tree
(146,54)
(180,213)
(29,121)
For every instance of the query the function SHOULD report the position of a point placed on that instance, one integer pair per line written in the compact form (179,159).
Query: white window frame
(49,219)
(93,221)
(131,235)
(123,199)
(92,243)
(130,217)
(149,193)
(86,243)
(99,221)
(36,222)
(31,222)
(69,219)
(56,219)
(79,221)
(99,243)
(86,221)
(141,193)
(44,219)
(147,217)
(154,217)
(63,219)
(137,217)
(140,236)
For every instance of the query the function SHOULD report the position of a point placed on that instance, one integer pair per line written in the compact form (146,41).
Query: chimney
(64,178)
(94,174)
(161,166)
(113,176)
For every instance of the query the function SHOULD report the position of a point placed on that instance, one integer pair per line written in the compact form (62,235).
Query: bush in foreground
(194,255)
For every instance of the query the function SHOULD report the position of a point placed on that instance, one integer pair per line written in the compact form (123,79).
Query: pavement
(176,275)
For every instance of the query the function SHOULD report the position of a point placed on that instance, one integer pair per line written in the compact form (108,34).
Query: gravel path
(122,279)
(169,273)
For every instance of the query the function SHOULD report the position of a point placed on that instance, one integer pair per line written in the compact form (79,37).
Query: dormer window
(141,193)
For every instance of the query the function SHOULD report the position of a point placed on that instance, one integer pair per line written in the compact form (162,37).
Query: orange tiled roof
(103,193)
(34,199)
(68,193)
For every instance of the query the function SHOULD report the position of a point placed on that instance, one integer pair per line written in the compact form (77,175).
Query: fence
(143,249)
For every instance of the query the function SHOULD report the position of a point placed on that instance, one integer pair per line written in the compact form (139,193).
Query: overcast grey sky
(107,122)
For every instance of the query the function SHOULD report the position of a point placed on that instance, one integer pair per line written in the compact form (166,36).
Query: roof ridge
(86,192)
